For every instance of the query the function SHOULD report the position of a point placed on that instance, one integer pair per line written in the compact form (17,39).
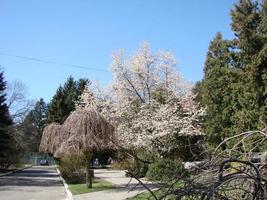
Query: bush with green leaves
(165,170)
(72,168)
(121,165)
(137,169)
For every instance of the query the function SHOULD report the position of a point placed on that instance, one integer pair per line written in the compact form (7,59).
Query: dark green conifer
(234,88)
(63,101)
(6,138)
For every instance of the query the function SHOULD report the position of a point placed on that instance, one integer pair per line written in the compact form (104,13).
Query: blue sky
(86,32)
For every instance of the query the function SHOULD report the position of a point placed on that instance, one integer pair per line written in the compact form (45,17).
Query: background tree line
(22,121)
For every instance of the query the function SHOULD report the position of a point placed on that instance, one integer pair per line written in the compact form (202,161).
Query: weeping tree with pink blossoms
(84,131)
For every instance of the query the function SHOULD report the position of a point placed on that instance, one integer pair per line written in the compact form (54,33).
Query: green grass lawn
(142,196)
(98,185)
(159,193)
(148,196)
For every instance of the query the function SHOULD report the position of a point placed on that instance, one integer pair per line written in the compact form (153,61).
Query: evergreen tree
(249,24)
(56,106)
(63,101)
(6,138)
(215,92)
(33,124)
(234,88)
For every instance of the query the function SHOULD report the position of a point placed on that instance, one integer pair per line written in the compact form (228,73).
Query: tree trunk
(88,170)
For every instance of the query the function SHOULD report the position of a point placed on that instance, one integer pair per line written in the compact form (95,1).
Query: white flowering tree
(148,102)
(143,74)
(155,126)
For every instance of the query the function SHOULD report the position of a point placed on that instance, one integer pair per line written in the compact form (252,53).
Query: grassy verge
(159,193)
(148,196)
(98,185)
(142,196)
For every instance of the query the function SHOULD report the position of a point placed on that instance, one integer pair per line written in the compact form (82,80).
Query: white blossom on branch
(149,103)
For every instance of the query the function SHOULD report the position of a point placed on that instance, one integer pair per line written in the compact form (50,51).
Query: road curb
(70,196)
(17,170)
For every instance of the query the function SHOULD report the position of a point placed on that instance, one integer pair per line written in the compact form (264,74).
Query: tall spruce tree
(6,138)
(249,25)
(56,106)
(234,88)
(63,101)
(215,91)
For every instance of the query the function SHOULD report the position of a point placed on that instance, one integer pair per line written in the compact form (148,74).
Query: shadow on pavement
(37,176)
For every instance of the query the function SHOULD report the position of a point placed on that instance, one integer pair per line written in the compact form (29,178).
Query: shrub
(121,165)
(166,170)
(138,169)
(188,148)
(72,168)
(9,161)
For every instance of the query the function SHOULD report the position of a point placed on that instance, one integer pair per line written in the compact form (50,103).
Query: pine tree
(64,100)
(215,90)
(5,121)
(234,88)
(56,106)
(249,25)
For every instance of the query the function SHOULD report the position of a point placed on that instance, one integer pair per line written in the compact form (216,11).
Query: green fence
(35,158)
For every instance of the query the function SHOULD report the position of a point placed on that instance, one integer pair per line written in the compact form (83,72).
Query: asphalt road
(36,183)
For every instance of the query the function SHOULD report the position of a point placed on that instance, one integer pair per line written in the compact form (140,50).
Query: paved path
(36,183)
(124,188)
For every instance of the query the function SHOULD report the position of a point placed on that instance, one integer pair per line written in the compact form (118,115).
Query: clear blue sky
(86,32)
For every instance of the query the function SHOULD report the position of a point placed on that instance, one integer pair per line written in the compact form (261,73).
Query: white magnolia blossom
(156,125)
(93,96)
(149,103)
(144,73)
(86,100)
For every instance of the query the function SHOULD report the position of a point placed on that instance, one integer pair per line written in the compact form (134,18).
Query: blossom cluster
(148,102)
